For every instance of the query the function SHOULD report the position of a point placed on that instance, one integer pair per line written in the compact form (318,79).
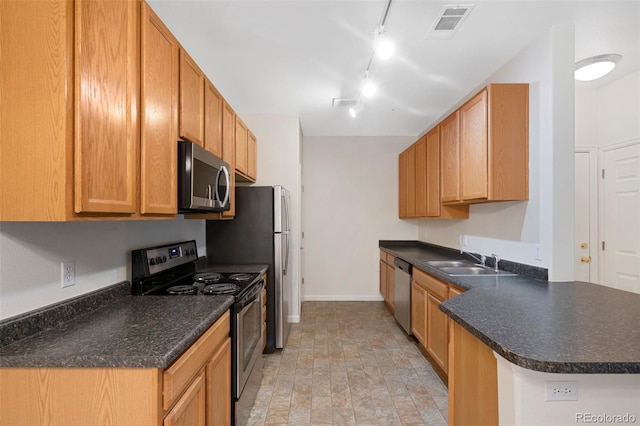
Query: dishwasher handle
(405,266)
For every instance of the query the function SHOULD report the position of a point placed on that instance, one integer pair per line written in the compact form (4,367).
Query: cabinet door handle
(585,259)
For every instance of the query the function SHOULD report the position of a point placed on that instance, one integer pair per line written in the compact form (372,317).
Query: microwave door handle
(223,171)
(209,192)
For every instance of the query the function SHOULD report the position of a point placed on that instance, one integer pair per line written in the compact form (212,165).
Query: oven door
(248,331)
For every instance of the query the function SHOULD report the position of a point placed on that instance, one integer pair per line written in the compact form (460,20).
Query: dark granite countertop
(126,331)
(561,327)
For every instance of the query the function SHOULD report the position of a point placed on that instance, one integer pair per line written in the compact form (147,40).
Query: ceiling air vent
(344,102)
(449,21)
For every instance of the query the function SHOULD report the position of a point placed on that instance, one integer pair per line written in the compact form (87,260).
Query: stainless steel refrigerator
(259,234)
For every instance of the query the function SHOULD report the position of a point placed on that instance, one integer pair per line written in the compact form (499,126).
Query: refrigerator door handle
(286,253)
(286,209)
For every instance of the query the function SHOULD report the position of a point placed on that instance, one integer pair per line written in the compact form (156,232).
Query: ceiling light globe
(384,47)
(594,71)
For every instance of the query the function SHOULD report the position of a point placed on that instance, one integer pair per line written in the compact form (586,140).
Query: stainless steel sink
(449,263)
(460,268)
(472,270)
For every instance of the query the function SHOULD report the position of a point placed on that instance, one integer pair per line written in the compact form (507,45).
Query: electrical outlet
(538,252)
(68,274)
(562,391)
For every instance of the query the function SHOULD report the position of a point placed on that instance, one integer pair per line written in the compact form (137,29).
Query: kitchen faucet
(497,260)
(481,260)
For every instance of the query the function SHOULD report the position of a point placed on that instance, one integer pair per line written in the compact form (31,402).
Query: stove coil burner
(182,290)
(220,289)
(207,277)
(240,277)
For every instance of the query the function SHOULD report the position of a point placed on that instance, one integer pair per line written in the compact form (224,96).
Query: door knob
(585,259)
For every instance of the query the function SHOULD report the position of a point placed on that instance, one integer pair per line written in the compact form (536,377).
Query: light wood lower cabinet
(190,409)
(429,324)
(196,387)
(473,380)
(387,279)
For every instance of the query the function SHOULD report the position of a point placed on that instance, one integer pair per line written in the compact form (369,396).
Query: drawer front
(390,259)
(179,374)
(431,284)
(383,255)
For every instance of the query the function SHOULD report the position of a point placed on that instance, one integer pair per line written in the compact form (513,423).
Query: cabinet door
(241,146)
(419,313)
(106,106)
(158,116)
(191,100)
(473,148)
(433,173)
(402,185)
(218,376)
(450,158)
(411,181)
(190,409)
(229,152)
(437,331)
(473,380)
(383,279)
(252,157)
(421,177)
(212,120)
(391,287)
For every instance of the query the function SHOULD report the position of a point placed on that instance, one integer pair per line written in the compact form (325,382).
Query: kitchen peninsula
(538,333)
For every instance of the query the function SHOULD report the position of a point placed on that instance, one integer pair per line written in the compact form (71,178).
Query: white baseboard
(342,298)
(293,318)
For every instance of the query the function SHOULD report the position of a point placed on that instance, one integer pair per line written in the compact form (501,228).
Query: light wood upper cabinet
(242,136)
(246,151)
(106,67)
(432,186)
(473,148)
(212,119)
(494,145)
(252,157)
(450,158)
(419,181)
(407,183)
(229,153)
(158,116)
(421,177)
(72,92)
(191,113)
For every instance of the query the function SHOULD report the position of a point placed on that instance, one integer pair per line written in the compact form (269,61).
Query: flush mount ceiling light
(595,67)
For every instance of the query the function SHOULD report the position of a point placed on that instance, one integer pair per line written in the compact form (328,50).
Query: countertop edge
(544,366)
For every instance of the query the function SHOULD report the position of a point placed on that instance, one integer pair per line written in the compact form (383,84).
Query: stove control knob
(158,260)
(152,261)
(164,259)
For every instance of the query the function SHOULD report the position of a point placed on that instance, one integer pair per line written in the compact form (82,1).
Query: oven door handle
(251,297)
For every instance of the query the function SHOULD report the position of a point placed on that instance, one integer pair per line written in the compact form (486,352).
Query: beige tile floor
(349,363)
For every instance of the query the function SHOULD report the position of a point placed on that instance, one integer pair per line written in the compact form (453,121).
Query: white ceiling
(294,57)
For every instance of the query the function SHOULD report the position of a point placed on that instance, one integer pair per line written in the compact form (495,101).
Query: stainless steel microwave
(204,183)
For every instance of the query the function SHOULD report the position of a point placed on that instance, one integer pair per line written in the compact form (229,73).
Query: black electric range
(171,270)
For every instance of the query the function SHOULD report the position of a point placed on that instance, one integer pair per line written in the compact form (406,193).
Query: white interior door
(585,216)
(621,217)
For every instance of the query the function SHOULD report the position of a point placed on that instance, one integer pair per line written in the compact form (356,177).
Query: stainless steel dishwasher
(402,294)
